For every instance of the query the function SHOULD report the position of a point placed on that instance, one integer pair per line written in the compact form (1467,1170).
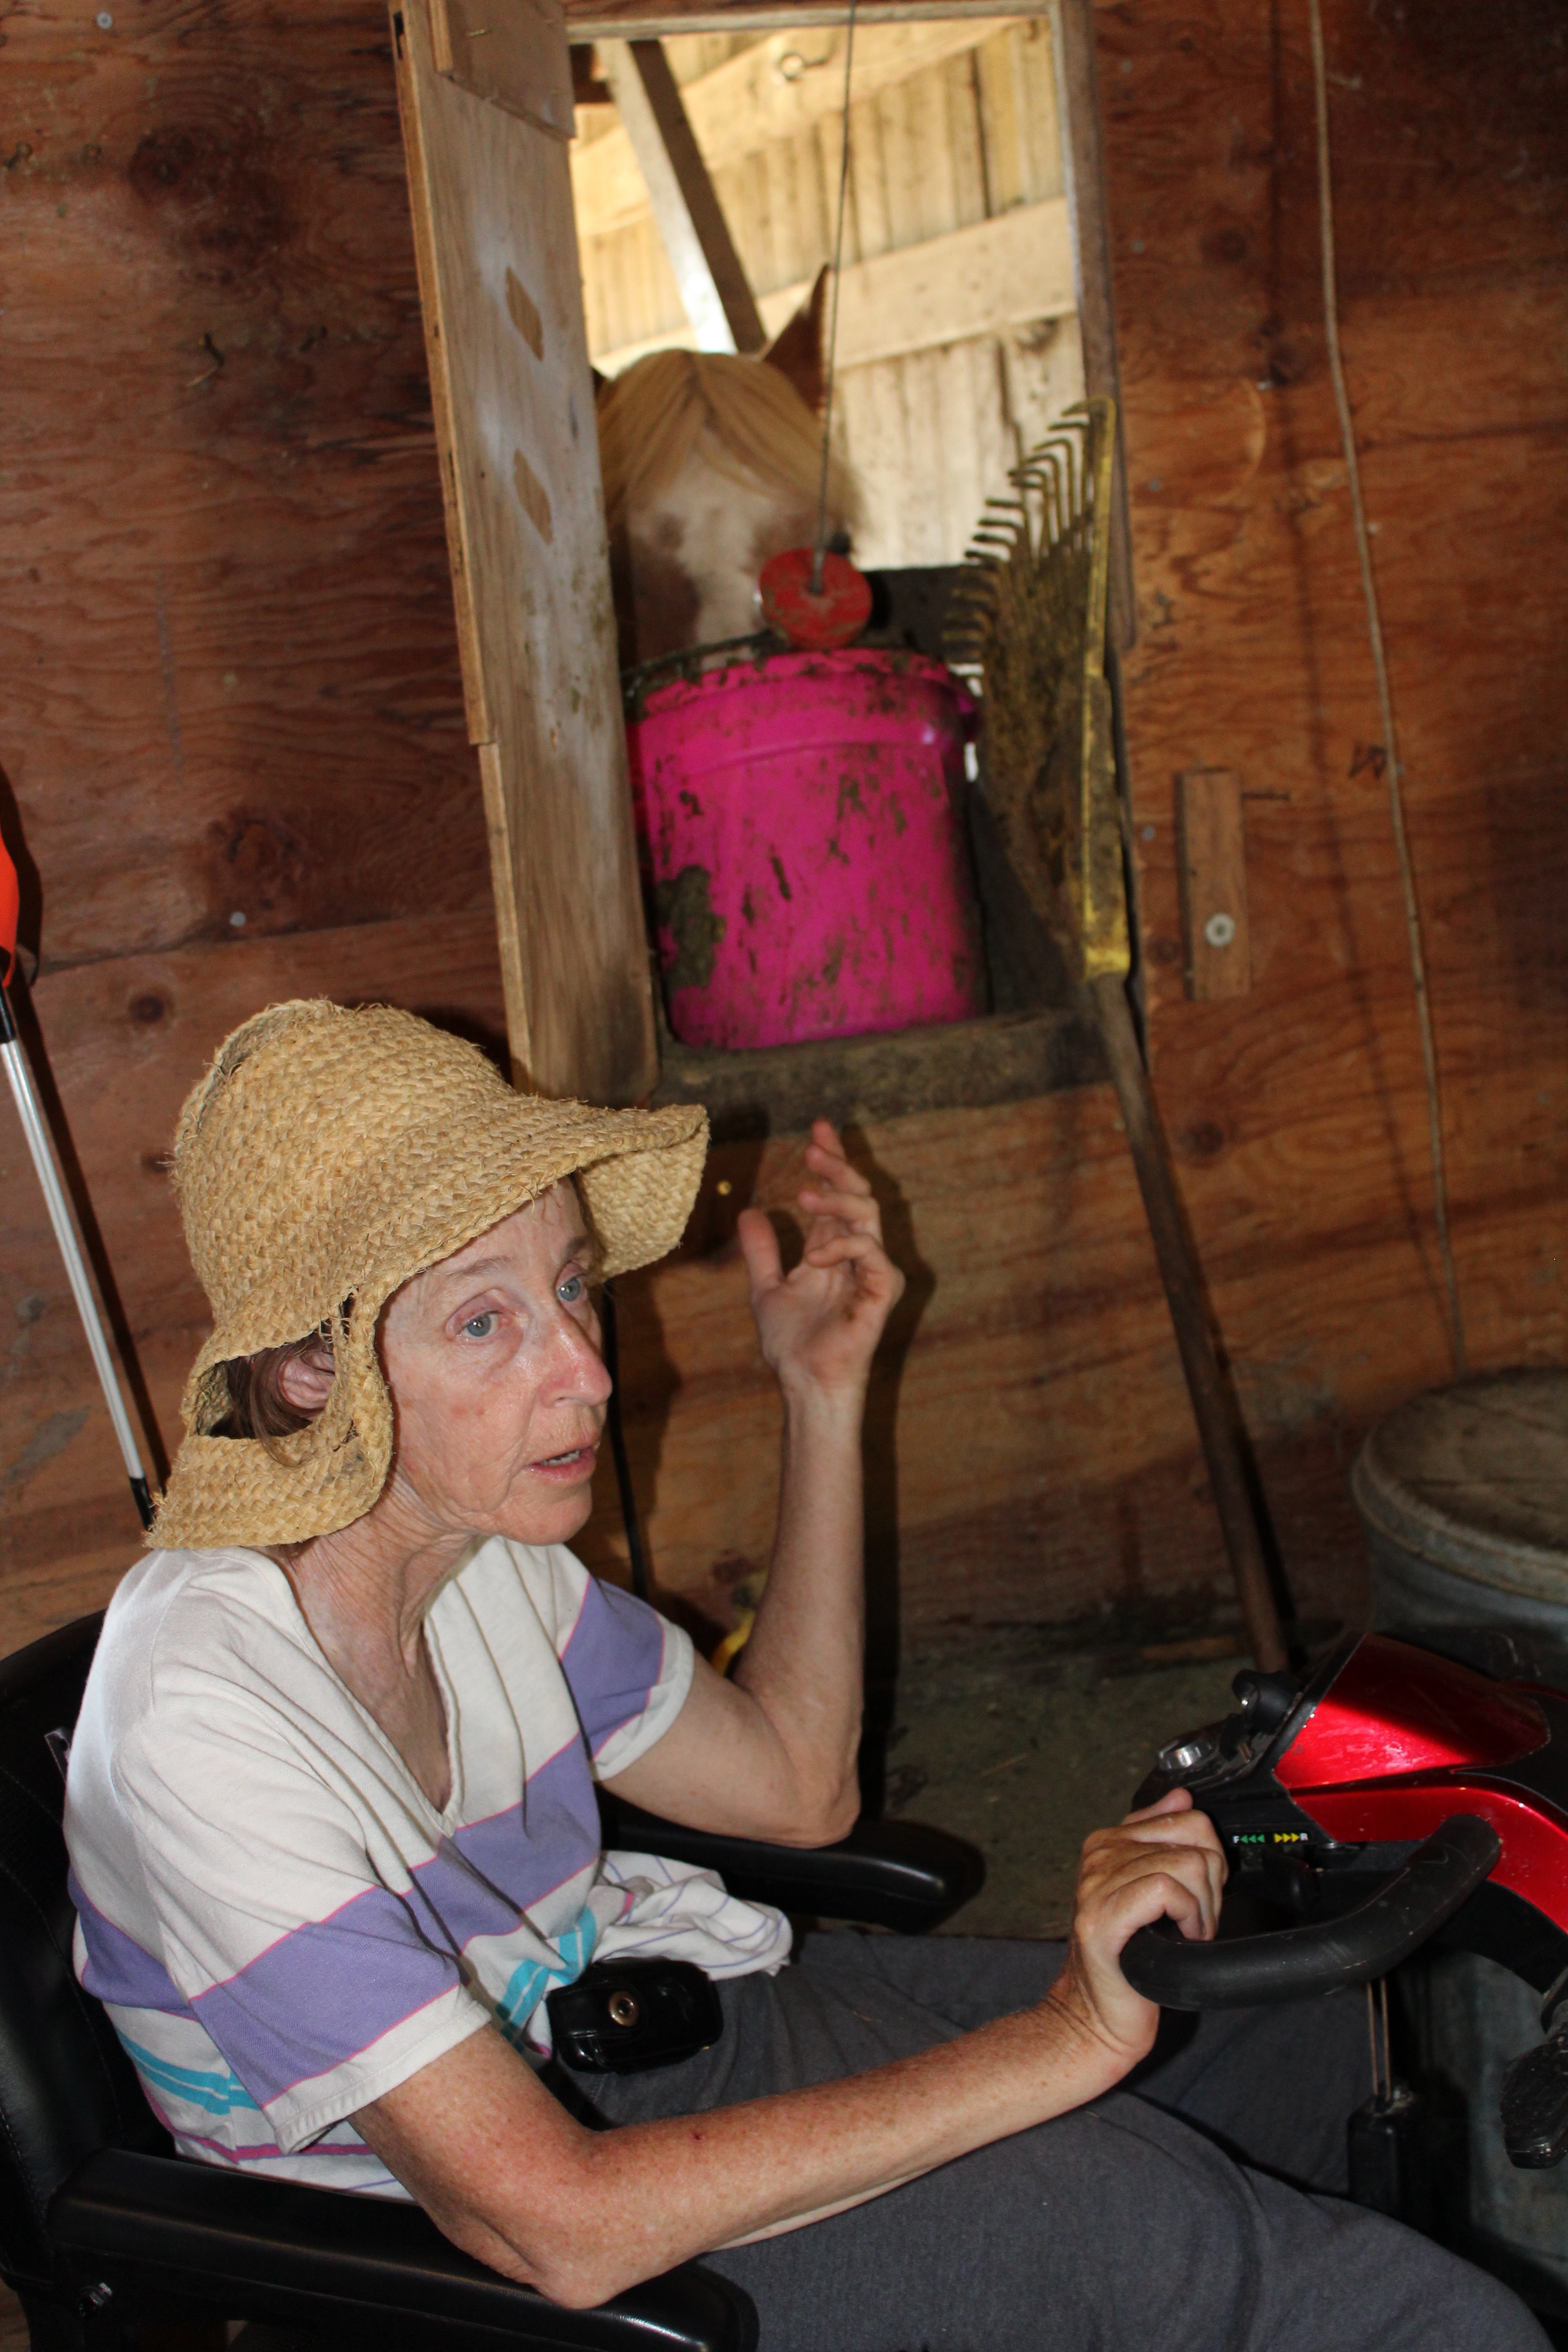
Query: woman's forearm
(803,1664)
(584,2214)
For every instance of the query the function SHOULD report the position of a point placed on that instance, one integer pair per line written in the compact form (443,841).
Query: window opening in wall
(959,342)
(958,339)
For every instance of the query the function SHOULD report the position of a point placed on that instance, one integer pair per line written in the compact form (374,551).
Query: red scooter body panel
(1390,1764)
(1534,1860)
(1393,1710)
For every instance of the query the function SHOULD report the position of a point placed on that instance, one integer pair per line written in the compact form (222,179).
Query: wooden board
(1212,850)
(513,54)
(515,410)
(654,20)
(714,291)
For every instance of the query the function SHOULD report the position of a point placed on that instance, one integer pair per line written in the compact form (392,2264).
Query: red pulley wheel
(814,619)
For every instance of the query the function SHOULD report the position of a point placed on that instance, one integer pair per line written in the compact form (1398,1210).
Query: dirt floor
(1023,1750)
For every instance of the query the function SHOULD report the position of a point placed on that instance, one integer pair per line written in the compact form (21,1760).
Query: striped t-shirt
(281,1925)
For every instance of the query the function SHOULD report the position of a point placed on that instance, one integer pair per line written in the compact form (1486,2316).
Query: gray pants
(1160,2219)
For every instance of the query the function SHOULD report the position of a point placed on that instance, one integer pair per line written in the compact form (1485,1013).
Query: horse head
(712,464)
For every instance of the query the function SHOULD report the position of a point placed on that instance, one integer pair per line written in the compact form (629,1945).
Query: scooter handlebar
(1245,1972)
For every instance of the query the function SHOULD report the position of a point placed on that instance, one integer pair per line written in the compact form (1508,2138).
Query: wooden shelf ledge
(957,1064)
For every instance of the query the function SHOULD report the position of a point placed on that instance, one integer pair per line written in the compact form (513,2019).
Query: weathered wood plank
(514,413)
(515,55)
(714,291)
(1212,869)
(996,274)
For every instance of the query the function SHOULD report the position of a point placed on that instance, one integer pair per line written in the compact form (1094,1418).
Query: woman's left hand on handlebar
(820,1323)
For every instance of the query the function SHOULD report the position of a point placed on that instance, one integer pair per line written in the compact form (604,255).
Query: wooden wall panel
(218,419)
(230,669)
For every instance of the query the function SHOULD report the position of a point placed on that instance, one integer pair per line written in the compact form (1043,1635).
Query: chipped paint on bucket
(800,817)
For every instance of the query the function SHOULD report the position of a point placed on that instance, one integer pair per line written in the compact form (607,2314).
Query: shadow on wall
(650,1382)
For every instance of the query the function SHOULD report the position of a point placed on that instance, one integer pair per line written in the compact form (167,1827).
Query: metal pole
(59,1206)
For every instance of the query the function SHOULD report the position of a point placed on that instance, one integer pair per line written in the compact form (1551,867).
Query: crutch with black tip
(54,1196)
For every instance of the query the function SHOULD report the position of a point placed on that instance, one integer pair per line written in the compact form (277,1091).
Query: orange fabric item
(10,907)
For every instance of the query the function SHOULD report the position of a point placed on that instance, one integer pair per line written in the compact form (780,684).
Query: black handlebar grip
(1296,1963)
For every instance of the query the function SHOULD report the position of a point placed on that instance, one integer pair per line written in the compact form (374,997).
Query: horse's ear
(796,349)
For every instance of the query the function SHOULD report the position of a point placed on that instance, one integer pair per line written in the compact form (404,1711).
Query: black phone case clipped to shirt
(625,2017)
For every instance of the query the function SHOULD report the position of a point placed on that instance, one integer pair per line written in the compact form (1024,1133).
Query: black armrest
(888,1873)
(278,2251)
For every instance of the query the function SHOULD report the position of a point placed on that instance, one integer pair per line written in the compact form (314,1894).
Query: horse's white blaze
(721,531)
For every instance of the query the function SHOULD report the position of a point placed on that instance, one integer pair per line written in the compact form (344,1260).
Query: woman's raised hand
(819,1326)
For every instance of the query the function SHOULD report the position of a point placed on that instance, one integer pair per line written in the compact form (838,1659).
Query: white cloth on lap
(281,1925)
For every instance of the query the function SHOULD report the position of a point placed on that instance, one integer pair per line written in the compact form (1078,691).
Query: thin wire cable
(1392,766)
(820,550)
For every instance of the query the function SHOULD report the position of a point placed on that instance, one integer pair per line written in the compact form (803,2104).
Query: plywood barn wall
(231,688)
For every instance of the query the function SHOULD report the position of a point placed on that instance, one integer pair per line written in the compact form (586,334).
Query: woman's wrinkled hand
(819,1325)
(1162,1862)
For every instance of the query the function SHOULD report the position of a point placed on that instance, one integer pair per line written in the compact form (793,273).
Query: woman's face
(492,1357)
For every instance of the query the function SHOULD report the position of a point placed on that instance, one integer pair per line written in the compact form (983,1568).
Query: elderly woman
(332,1807)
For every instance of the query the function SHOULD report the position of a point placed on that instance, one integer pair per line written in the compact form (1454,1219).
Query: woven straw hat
(328,1155)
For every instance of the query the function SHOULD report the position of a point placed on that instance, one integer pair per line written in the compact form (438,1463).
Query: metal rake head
(1029,614)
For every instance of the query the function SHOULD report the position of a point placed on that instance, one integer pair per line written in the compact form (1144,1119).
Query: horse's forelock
(752,423)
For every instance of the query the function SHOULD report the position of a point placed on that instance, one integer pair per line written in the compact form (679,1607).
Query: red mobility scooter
(1393,1796)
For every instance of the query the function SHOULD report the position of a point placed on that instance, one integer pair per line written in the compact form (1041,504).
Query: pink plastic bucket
(800,816)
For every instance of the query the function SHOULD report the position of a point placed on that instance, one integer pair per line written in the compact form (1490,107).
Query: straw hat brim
(638,1173)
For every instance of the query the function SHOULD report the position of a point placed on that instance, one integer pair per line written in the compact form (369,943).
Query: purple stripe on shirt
(118,1968)
(613,1660)
(325,1991)
(531,1848)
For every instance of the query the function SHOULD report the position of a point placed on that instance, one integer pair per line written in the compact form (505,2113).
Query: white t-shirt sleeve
(628,1669)
(309,1974)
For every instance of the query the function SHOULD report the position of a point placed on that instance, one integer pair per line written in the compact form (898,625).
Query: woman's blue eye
(479,1327)
(571,1290)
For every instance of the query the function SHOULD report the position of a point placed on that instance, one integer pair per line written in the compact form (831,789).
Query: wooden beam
(648,20)
(514,401)
(775,90)
(979,280)
(708,270)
